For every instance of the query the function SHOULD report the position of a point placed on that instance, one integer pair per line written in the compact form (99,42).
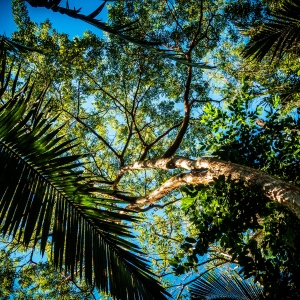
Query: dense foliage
(94,130)
(259,235)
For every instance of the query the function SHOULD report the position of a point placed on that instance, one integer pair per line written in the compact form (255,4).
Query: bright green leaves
(257,137)
(22,277)
(256,234)
(186,202)
(129,31)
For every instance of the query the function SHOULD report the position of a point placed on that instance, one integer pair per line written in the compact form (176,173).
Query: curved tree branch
(148,147)
(204,170)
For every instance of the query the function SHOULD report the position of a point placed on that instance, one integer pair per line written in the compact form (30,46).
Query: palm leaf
(278,35)
(14,46)
(43,193)
(118,31)
(211,285)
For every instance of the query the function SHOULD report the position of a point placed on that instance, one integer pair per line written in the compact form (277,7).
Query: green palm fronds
(213,285)
(46,197)
(278,35)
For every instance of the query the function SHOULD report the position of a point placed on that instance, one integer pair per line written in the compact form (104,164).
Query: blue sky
(61,23)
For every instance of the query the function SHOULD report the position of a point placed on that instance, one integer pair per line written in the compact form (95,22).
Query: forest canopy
(158,159)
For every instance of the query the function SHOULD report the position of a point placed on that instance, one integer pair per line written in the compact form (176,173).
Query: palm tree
(278,35)
(46,198)
(213,285)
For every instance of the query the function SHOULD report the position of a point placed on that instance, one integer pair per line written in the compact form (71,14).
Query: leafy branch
(119,31)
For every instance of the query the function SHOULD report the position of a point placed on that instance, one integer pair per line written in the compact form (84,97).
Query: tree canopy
(159,158)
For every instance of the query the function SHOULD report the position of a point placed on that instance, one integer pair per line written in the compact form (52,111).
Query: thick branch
(129,136)
(187,105)
(153,206)
(204,170)
(187,111)
(148,147)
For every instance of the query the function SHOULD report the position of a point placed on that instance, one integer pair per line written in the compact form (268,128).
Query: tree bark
(204,170)
(187,113)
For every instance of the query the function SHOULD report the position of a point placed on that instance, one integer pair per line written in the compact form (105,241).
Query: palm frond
(46,197)
(278,35)
(14,46)
(119,31)
(212,285)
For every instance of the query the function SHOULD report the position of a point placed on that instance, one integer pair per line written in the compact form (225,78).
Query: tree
(146,109)
(174,146)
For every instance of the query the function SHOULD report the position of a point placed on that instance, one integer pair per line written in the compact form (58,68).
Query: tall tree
(136,113)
